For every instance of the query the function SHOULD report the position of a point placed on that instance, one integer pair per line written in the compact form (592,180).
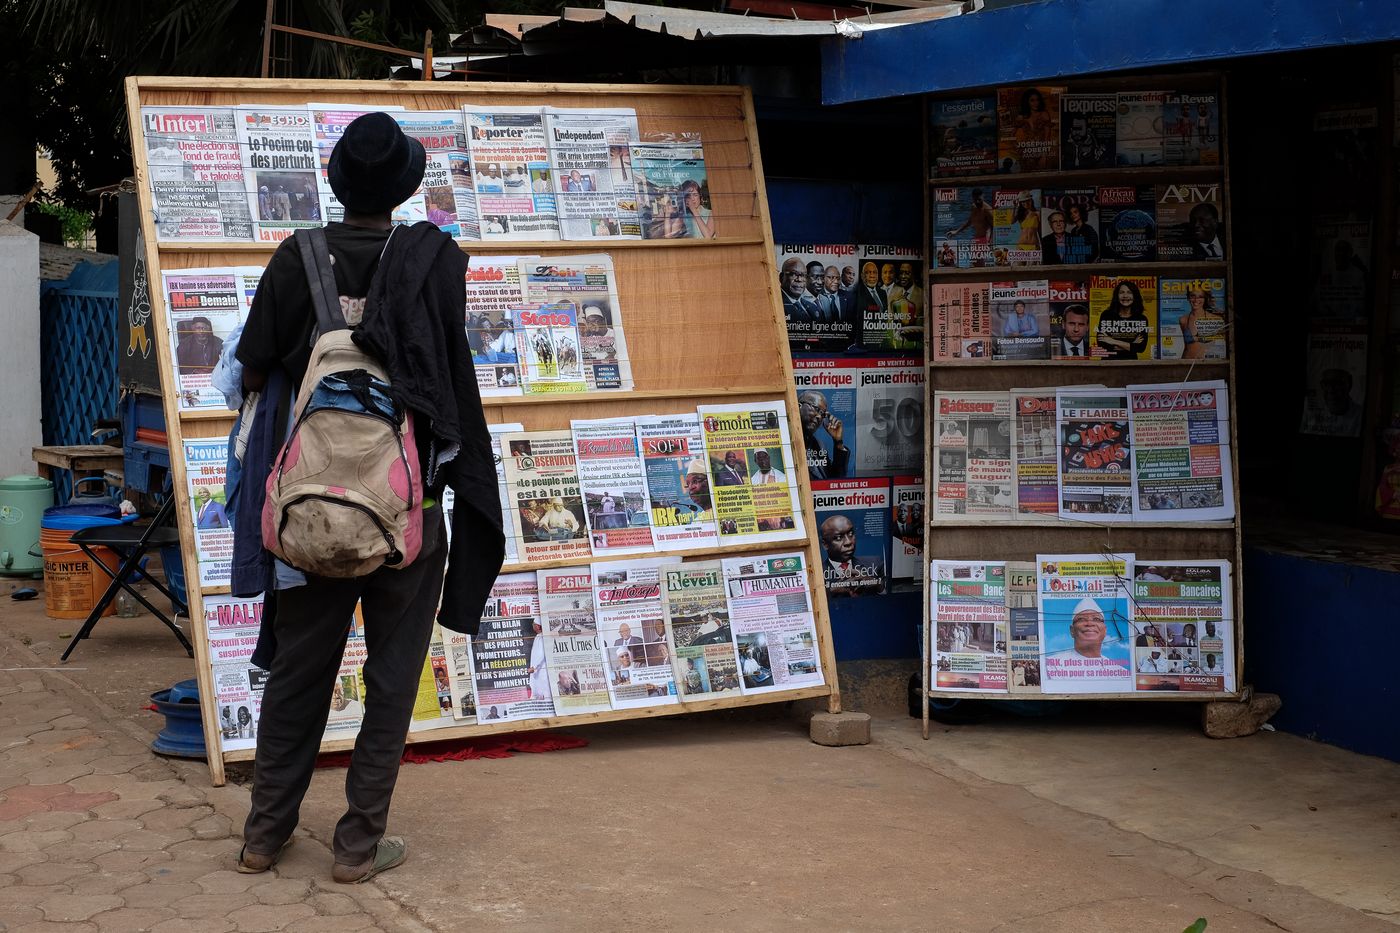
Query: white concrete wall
(20,430)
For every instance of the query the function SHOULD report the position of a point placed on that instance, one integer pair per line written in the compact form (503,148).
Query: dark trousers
(311,626)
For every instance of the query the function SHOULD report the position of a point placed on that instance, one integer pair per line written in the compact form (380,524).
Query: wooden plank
(208,414)
(1164,696)
(1157,543)
(997,273)
(1072,524)
(723,550)
(926,642)
(1231,296)
(255,87)
(516,247)
(1128,175)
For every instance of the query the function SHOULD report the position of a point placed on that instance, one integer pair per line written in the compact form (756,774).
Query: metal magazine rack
(953,538)
(704,325)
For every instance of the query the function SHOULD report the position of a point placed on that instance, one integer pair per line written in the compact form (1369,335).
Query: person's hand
(834,427)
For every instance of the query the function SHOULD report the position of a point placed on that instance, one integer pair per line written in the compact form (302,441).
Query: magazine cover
(907,523)
(613,485)
(853,523)
(896,320)
(1020,319)
(203,306)
(1140,127)
(946,320)
(1086,623)
(1341,249)
(967,610)
(328,123)
(511,670)
(1183,613)
(1016,238)
(1034,453)
(889,416)
(697,613)
(589,282)
(1127,223)
(547,345)
(1069,321)
(594,188)
(1088,131)
(281,169)
(636,640)
(1096,455)
(819,287)
(749,449)
(1181,441)
(196,173)
(673,192)
(677,482)
(963,224)
(963,136)
(448,192)
(1194,319)
(546,508)
(206,464)
(826,398)
(972,478)
(232,624)
(1336,387)
(1191,128)
(1189,224)
(770,615)
(976,342)
(1028,129)
(1023,620)
(1123,316)
(493,290)
(1069,226)
(575,660)
(511,173)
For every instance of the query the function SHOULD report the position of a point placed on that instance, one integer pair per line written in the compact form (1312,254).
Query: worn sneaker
(390,853)
(255,863)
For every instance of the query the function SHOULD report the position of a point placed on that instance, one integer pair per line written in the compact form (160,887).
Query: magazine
(232,624)
(963,224)
(1123,316)
(1140,127)
(510,670)
(593,185)
(1342,260)
(1020,319)
(547,510)
(1181,442)
(853,518)
(1023,620)
(510,171)
(972,478)
(892,315)
(1016,214)
(1183,612)
(206,464)
(770,615)
(946,320)
(963,136)
(749,449)
(1095,466)
(590,284)
(1189,224)
(1028,129)
(907,523)
(820,288)
(281,170)
(547,345)
(1336,387)
(578,678)
(673,192)
(203,308)
(1191,128)
(1070,336)
(1127,223)
(677,482)
(1194,319)
(1034,453)
(449,196)
(196,173)
(1069,226)
(328,123)
(967,611)
(826,399)
(613,484)
(889,416)
(703,644)
(976,341)
(1088,131)
(636,640)
(1086,623)
(493,291)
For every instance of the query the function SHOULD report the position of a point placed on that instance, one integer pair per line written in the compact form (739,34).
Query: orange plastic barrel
(73,583)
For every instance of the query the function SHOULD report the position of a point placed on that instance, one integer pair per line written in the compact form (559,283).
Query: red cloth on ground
(486,746)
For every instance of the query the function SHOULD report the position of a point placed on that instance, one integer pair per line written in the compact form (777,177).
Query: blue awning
(1054,38)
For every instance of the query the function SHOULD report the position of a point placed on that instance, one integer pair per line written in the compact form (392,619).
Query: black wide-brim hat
(375,167)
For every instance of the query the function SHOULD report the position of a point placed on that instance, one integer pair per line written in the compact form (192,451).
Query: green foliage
(76,224)
(1198,927)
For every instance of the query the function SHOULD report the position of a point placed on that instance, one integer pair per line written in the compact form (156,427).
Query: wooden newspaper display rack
(959,539)
(703,321)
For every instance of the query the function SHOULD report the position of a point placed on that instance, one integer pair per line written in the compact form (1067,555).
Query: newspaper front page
(206,466)
(1095,466)
(281,169)
(547,345)
(972,478)
(347,700)
(677,482)
(203,307)
(703,646)
(448,195)
(1086,623)
(636,641)
(579,680)
(196,174)
(1185,623)
(770,615)
(232,623)
(1022,617)
(673,191)
(546,513)
(589,283)
(511,173)
(493,292)
(457,650)
(750,458)
(510,670)
(613,484)
(594,187)
(432,707)
(328,123)
(1034,453)
(1181,436)
(968,613)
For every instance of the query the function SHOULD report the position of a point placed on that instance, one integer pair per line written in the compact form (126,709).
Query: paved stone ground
(98,834)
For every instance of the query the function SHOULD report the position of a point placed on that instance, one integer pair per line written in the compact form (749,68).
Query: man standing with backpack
(369,321)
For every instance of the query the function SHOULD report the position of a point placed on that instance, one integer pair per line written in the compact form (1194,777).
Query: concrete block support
(840,729)
(1228,719)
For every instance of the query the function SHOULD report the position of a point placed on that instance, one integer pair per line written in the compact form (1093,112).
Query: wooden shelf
(722,550)
(1128,174)
(509,247)
(1144,267)
(1168,696)
(207,414)
(1070,524)
(494,401)
(1085,363)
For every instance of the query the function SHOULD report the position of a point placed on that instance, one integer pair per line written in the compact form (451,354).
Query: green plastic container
(22,503)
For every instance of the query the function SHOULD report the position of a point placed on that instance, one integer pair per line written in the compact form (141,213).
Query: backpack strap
(320,279)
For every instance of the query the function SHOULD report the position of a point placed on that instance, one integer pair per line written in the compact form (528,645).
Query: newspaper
(896,320)
(206,463)
(497,430)
(232,624)
(1086,623)
(1333,404)
(509,669)
(770,614)
(853,518)
(203,307)
(1022,617)
(613,485)
(593,184)
(347,700)
(328,123)
(578,678)
(673,192)
(493,291)
(196,174)
(447,192)
(432,706)
(972,478)
(590,284)
(1034,453)
(1181,437)
(703,645)
(1186,626)
(967,609)
(636,642)
(749,451)
(1095,466)
(889,416)
(677,482)
(546,513)
(511,174)
(281,170)
(907,524)
(826,399)
(458,651)
(547,345)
